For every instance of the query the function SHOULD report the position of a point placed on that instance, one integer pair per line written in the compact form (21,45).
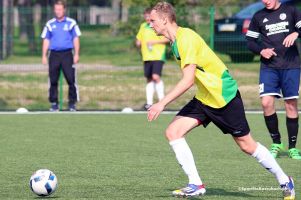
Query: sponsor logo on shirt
(282,16)
(53,26)
(276,28)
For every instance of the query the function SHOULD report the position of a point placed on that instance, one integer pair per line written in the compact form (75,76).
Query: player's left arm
(76,44)
(182,86)
(297,16)
(291,38)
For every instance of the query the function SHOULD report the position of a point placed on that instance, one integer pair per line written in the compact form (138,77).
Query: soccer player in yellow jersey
(217,100)
(153,55)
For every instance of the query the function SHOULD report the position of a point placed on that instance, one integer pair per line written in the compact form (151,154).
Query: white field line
(103,112)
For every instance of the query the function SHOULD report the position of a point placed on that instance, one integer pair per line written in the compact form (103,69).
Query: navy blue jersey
(272,27)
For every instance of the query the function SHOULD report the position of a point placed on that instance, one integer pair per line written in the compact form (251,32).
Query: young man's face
(157,22)
(270,4)
(147,17)
(59,11)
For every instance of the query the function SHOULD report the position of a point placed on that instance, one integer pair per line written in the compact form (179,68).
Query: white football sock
(265,158)
(185,159)
(150,88)
(160,90)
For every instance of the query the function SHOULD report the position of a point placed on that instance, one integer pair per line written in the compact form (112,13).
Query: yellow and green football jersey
(155,52)
(215,86)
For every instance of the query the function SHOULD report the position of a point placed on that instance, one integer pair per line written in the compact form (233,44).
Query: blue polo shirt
(61,33)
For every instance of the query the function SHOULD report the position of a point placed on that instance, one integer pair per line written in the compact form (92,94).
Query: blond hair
(165,9)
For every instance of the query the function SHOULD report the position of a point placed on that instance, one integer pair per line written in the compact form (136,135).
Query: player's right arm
(188,49)
(46,36)
(181,87)
(268,53)
(45,51)
(252,36)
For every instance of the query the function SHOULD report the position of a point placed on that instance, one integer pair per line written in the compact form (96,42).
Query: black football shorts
(230,119)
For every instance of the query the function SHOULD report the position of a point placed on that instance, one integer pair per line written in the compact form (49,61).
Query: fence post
(212,14)
(1,29)
(61,94)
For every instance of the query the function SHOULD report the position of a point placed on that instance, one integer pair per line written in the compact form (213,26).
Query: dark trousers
(62,60)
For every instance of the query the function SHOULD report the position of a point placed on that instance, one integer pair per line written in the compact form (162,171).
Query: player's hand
(44,60)
(268,53)
(154,111)
(138,44)
(290,39)
(75,59)
(150,43)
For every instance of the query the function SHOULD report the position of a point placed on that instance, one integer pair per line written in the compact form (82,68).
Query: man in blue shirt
(61,36)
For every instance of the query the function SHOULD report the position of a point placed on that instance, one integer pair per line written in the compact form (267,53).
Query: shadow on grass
(283,154)
(49,197)
(215,192)
(222,192)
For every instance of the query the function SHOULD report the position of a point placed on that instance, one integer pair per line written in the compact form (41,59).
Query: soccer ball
(43,182)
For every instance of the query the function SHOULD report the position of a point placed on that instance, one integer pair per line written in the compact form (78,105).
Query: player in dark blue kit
(61,37)
(278,26)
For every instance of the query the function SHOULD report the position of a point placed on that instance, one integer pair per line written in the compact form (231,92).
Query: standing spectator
(153,54)
(60,37)
(278,25)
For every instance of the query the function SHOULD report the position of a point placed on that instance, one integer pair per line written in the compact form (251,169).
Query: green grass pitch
(109,156)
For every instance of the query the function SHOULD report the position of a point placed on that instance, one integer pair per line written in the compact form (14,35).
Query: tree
(6,28)
(22,19)
(25,8)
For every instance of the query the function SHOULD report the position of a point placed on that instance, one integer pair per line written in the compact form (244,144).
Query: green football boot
(294,154)
(276,149)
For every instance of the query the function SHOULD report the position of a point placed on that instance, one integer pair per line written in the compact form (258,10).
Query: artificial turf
(110,156)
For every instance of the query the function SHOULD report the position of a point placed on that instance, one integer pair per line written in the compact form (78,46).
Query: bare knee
(247,144)
(179,127)
(171,133)
(291,107)
(267,104)
(156,78)
(248,149)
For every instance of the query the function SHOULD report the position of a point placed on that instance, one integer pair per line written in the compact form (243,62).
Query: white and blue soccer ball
(43,182)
